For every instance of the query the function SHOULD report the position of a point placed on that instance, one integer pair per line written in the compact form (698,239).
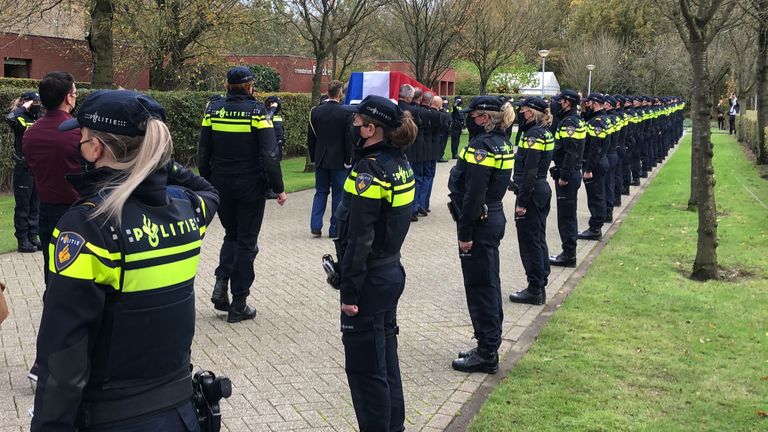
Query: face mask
(357,139)
(34,109)
(555,108)
(473,128)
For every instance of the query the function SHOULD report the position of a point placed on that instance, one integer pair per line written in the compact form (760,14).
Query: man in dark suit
(330,148)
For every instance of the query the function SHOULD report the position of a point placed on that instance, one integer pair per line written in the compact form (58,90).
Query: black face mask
(357,139)
(34,109)
(473,128)
(555,109)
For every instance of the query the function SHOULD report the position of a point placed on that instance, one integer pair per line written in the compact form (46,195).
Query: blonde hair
(542,118)
(499,119)
(402,136)
(136,158)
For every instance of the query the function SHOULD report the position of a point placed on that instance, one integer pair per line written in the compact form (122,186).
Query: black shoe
(529,296)
(477,362)
(316,233)
(442,160)
(590,234)
(271,195)
(414,218)
(26,247)
(422,212)
(563,260)
(635,182)
(644,174)
(220,295)
(465,354)
(625,190)
(35,240)
(240,313)
(608,218)
(455,157)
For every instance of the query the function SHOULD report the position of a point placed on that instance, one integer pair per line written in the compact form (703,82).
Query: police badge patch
(68,247)
(363,182)
(570,130)
(480,155)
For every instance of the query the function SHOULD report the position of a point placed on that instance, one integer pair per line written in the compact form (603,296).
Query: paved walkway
(287,365)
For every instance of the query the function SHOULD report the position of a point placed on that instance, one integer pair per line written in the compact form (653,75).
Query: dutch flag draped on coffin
(380,83)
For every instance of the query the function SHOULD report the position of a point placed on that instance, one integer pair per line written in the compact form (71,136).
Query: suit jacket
(329,137)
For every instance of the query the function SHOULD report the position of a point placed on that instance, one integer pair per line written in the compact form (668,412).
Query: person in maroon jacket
(51,154)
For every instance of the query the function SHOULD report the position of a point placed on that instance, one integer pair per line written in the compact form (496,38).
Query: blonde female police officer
(374,216)
(113,350)
(477,185)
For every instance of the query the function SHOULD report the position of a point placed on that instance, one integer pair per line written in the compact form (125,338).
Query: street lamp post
(590,67)
(543,54)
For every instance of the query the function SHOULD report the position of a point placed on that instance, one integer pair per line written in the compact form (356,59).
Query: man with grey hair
(431,119)
(419,149)
(405,96)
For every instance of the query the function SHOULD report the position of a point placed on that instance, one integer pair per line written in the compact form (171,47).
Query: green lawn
(7,239)
(640,347)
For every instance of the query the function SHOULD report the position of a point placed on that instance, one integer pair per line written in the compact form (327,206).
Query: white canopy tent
(551,86)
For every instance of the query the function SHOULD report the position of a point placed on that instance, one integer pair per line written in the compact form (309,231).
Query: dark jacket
(596,146)
(52,155)
(119,311)
(414,110)
(532,160)
(329,138)
(19,120)
(569,144)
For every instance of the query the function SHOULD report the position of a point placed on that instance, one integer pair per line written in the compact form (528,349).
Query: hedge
(184,110)
(746,129)
(29,83)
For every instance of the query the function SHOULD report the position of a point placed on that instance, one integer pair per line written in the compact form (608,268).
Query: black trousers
(532,236)
(720,123)
(610,182)
(241,211)
(635,161)
(482,285)
(26,212)
(455,140)
(731,124)
(596,195)
(567,200)
(49,217)
(618,176)
(370,352)
(179,419)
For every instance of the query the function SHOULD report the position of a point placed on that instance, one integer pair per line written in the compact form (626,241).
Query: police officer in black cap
(374,217)
(477,186)
(237,147)
(274,105)
(534,154)
(25,213)
(457,125)
(595,165)
(113,350)
(567,156)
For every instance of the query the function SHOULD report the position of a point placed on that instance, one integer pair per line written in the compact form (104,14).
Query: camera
(207,390)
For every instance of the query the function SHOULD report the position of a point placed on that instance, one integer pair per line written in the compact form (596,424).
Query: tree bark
(317,80)
(705,264)
(761,80)
(101,44)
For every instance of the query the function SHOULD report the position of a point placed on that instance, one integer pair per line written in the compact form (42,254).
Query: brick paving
(287,365)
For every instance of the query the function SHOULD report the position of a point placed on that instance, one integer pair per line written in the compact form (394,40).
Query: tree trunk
(483,83)
(101,45)
(761,81)
(705,264)
(317,78)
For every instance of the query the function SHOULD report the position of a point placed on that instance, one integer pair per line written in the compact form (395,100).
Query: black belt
(168,396)
(380,262)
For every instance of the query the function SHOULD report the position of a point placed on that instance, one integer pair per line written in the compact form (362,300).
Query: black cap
(120,112)
(239,75)
(611,101)
(569,95)
(271,99)
(33,96)
(380,109)
(535,103)
(457,99)
(484,103)
(596,97)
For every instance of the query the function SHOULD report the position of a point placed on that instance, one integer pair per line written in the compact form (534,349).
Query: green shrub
(184,111)
(29,83)
(746,129)
(265,79)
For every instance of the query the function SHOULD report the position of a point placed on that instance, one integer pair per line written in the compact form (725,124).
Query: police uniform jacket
(19,120)
(596,146)
(534,154)
(457,119)
(569,144)
(414,110)
(237,139)
(374,215)
(481,176)
(612,136)
(277,125)
(116,331)
(329,137)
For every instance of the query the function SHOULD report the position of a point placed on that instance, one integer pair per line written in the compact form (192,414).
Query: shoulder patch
(68,247)
(598,129)
(480,155)
(570,130)
(531,140)
(363,182)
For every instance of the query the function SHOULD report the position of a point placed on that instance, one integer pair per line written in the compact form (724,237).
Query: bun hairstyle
(401,136)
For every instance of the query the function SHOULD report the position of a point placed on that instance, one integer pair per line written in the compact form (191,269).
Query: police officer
(374,216)
(613,137)
(274,105)
(237,146)
(457,125)
(25,213)
(595,165)
(113,349)
(534,154)
(567,156)
(477,185)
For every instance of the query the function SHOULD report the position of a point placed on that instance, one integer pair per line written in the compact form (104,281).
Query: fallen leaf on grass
(765,378)
(762,414)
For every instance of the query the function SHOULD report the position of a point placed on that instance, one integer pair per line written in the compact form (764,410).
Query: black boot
(590,234)
(625,190)
(644,174)
(478,361)
(609,217)
(465,354)
(565,259)
(635,182)
(220,295)
(240,311)
(26,247)
(529,295)
(35,240)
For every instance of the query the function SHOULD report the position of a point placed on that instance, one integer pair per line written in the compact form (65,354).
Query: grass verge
(638,346)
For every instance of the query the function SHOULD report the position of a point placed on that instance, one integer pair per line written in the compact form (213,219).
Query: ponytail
(404,135)
(508,116)
(136,158)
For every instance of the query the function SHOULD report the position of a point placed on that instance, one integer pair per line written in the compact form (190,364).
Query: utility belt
(170,395)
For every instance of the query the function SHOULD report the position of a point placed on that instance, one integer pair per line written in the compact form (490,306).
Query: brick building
(295,71)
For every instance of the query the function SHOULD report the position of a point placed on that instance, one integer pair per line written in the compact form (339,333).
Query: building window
(16,68)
